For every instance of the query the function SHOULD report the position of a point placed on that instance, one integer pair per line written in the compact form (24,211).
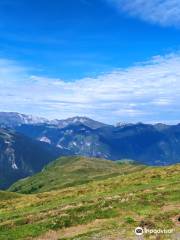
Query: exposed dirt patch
(167,208)
(51,235)
(72,231)
(67,207)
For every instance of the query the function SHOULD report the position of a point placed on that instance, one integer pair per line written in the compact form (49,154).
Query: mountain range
(28,143)
(13,119)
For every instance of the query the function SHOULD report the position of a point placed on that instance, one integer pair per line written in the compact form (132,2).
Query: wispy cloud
(147,91)
(162,12)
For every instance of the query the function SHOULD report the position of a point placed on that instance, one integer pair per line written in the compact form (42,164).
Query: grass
(100,209)
(72,171)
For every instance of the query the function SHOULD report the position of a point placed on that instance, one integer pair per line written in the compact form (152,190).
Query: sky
(110,60)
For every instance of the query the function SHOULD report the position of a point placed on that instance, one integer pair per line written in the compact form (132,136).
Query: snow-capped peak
(123,124)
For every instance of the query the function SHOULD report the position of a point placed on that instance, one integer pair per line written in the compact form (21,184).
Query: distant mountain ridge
(148,144)
(78,120)
(155,145)
(13,119)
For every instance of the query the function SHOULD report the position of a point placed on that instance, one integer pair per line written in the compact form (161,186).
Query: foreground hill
(71,171)
(102,209)
(21,156)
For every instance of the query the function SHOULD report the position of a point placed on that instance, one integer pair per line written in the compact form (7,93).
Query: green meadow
(78,198)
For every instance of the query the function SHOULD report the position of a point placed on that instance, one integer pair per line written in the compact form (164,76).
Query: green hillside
(8,195)
(105,209)
(72,171)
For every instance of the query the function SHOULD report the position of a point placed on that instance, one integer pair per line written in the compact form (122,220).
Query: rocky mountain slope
(21,156)
(148,144)
(13,119)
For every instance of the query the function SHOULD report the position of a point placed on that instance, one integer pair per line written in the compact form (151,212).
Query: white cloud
(147,91)
(162,12)
(11,71)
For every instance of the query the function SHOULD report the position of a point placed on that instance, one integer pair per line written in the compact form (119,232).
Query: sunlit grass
(149,197)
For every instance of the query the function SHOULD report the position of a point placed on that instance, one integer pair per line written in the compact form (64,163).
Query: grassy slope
(8,195)
(102,209)
(72,171)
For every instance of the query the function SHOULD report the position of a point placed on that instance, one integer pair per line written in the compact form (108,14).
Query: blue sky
(112,60)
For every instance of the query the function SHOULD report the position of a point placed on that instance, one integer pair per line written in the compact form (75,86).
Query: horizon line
(169,123)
